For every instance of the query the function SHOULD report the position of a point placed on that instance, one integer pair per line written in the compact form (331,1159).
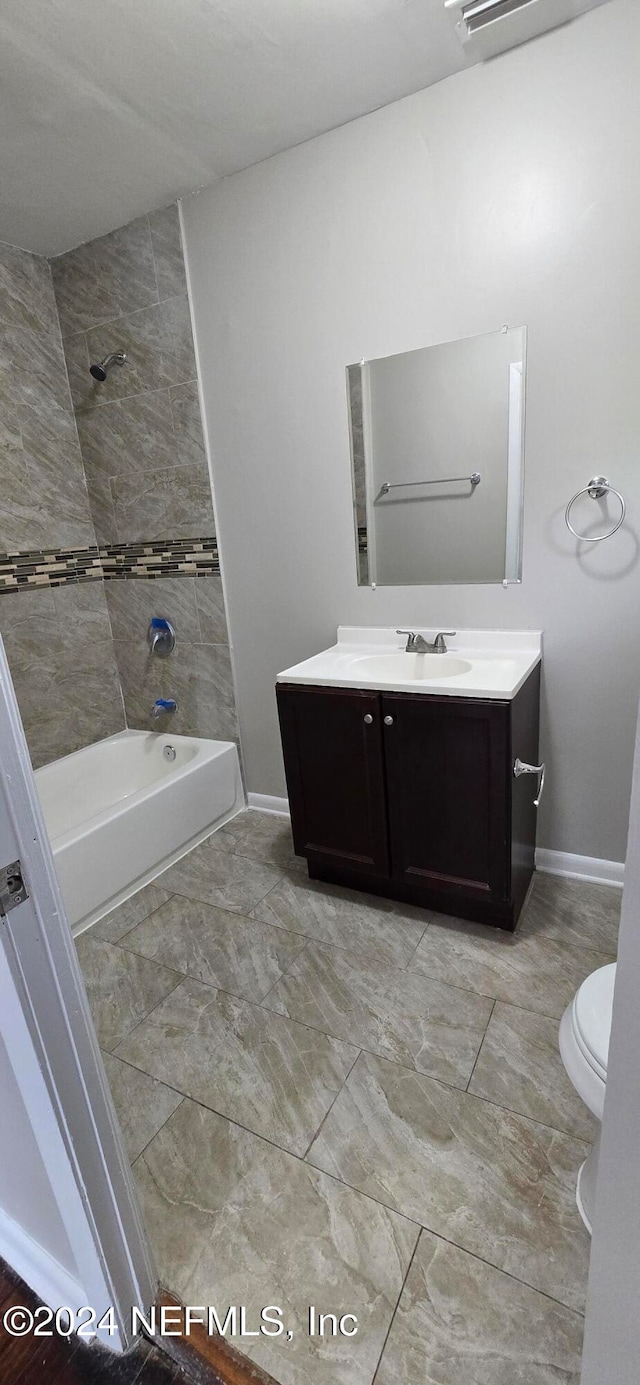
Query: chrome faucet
(163,705)
(416,644)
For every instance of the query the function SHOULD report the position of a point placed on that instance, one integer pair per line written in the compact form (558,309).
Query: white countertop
(496,663)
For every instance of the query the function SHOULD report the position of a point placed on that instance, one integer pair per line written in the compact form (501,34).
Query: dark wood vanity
(413,796)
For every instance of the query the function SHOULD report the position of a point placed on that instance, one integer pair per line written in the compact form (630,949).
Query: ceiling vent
(487,27)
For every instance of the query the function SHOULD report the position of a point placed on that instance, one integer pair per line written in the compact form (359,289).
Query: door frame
(48,1031)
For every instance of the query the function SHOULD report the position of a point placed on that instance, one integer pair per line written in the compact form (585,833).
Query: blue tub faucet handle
(163,705)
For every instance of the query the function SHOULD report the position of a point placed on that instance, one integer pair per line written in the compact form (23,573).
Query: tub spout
(164,706)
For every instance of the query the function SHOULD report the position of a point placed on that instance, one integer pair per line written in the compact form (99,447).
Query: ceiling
(109,108)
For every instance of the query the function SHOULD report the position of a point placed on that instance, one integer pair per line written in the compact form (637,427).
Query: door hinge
(13,890)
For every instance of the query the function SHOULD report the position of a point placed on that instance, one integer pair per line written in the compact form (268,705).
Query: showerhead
(100,369)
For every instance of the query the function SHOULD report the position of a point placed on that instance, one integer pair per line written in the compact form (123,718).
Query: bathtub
(122,810)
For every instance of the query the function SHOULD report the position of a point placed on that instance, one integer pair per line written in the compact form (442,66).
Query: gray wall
(504,194)
(58,641)
(144,458)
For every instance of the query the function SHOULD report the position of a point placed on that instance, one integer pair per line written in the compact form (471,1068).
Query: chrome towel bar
(475,479)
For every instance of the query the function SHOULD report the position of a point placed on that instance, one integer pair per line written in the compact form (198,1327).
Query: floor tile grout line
(456,986)
(127,1062)
(372,1052)
(393,1315)
(420,940)
(144,1018)
(389,1208)
(160,1127)
(330,1108)
(118,942)
(281,977)
(475,1061)
(335,1178)
(216,988)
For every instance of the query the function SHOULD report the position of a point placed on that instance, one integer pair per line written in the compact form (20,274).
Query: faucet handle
(411,638)
(439,645)
(449,634)
(404,632)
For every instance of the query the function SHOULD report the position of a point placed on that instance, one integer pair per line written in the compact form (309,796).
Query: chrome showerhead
(100,369)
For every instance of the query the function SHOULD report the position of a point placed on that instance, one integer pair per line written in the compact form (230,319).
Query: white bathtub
(121,811)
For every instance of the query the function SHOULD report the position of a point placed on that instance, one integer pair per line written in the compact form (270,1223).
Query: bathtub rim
(121,805)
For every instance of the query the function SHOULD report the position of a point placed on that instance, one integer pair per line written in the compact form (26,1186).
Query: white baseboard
(265,803)
(588,868)
(48,1279)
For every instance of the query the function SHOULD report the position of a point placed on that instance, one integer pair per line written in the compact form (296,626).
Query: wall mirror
(437,447)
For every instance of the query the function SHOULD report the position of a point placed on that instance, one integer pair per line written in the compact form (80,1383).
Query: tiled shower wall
(143,452)
(58,639)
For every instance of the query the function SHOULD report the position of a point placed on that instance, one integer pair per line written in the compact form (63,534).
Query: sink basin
(480,663)
(410,667)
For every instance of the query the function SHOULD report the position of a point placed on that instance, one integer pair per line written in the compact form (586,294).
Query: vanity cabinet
(413,796)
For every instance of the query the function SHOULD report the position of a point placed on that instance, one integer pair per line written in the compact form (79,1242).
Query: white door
(69,1219)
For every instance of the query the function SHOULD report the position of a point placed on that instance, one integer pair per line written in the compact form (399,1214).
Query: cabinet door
(448,793)
(332,746)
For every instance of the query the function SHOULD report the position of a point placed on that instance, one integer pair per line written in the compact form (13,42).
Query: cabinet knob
(368,719)
(388,721)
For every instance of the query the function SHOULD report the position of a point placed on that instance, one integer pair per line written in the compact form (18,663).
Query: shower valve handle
(162,637)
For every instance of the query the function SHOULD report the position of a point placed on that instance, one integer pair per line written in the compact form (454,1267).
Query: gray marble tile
(188,501)
(213,945)
(534,972)
(44,499)
(53,462)
(187,422)
(268,1074)
(234,1220)
(211,610)
(200,679)
(85,391)
(122,988)
(377,929)
(139,506)
(129,435)
(105,277)
(101,506)
(409,1019)
(140,680)
(29,624)
(133,604)
(462,1322)
(126,916)
(227,881)
(573,911)
(85,628)
(159,348)
(10,435)
(26,291)
(68,704)
(497,1185)
(260,836)
(142,1104)
(167,251)
(520,1067)
(34,368)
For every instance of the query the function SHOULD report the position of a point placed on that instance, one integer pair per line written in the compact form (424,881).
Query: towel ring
(598,486)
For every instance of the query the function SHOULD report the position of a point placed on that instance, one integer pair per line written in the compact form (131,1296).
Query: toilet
(585,1029)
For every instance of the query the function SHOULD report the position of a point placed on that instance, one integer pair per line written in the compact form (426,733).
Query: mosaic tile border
(55,567)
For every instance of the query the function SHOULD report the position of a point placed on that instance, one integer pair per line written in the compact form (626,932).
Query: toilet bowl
(585,1029)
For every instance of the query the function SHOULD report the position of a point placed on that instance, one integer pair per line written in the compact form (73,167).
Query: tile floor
(335,1100)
